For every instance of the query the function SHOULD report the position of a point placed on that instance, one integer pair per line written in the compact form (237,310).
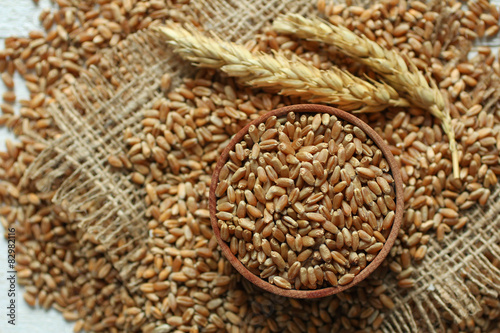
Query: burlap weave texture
(93,126)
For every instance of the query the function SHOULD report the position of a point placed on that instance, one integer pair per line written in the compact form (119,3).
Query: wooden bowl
(314,293)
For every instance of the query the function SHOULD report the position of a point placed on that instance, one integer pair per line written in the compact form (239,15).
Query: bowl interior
(314,293)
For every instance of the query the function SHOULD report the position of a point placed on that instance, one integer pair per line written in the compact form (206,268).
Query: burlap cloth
(114,210)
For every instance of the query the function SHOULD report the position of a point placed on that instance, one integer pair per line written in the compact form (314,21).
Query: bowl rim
(310,293)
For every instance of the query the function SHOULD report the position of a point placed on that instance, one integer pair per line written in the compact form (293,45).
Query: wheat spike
(396,70)
(285,76)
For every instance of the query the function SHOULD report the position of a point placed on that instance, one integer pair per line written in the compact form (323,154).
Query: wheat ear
(396,70)
(285,76)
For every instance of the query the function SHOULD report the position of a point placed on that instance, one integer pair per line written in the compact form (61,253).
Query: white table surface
(17,18)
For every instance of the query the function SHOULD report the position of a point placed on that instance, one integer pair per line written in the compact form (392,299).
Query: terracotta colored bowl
(314,293)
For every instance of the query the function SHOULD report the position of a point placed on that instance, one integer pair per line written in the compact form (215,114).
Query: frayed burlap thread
(104,203)
(109,206)
(442,277)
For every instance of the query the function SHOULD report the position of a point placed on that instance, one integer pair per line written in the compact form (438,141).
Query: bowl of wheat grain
(306,201)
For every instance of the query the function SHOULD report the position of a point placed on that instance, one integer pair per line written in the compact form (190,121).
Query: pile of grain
(305,201)
(186,285)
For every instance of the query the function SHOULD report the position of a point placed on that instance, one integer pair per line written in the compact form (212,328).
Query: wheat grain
(397,70)
(286,76)
(76,285)
(305,220)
